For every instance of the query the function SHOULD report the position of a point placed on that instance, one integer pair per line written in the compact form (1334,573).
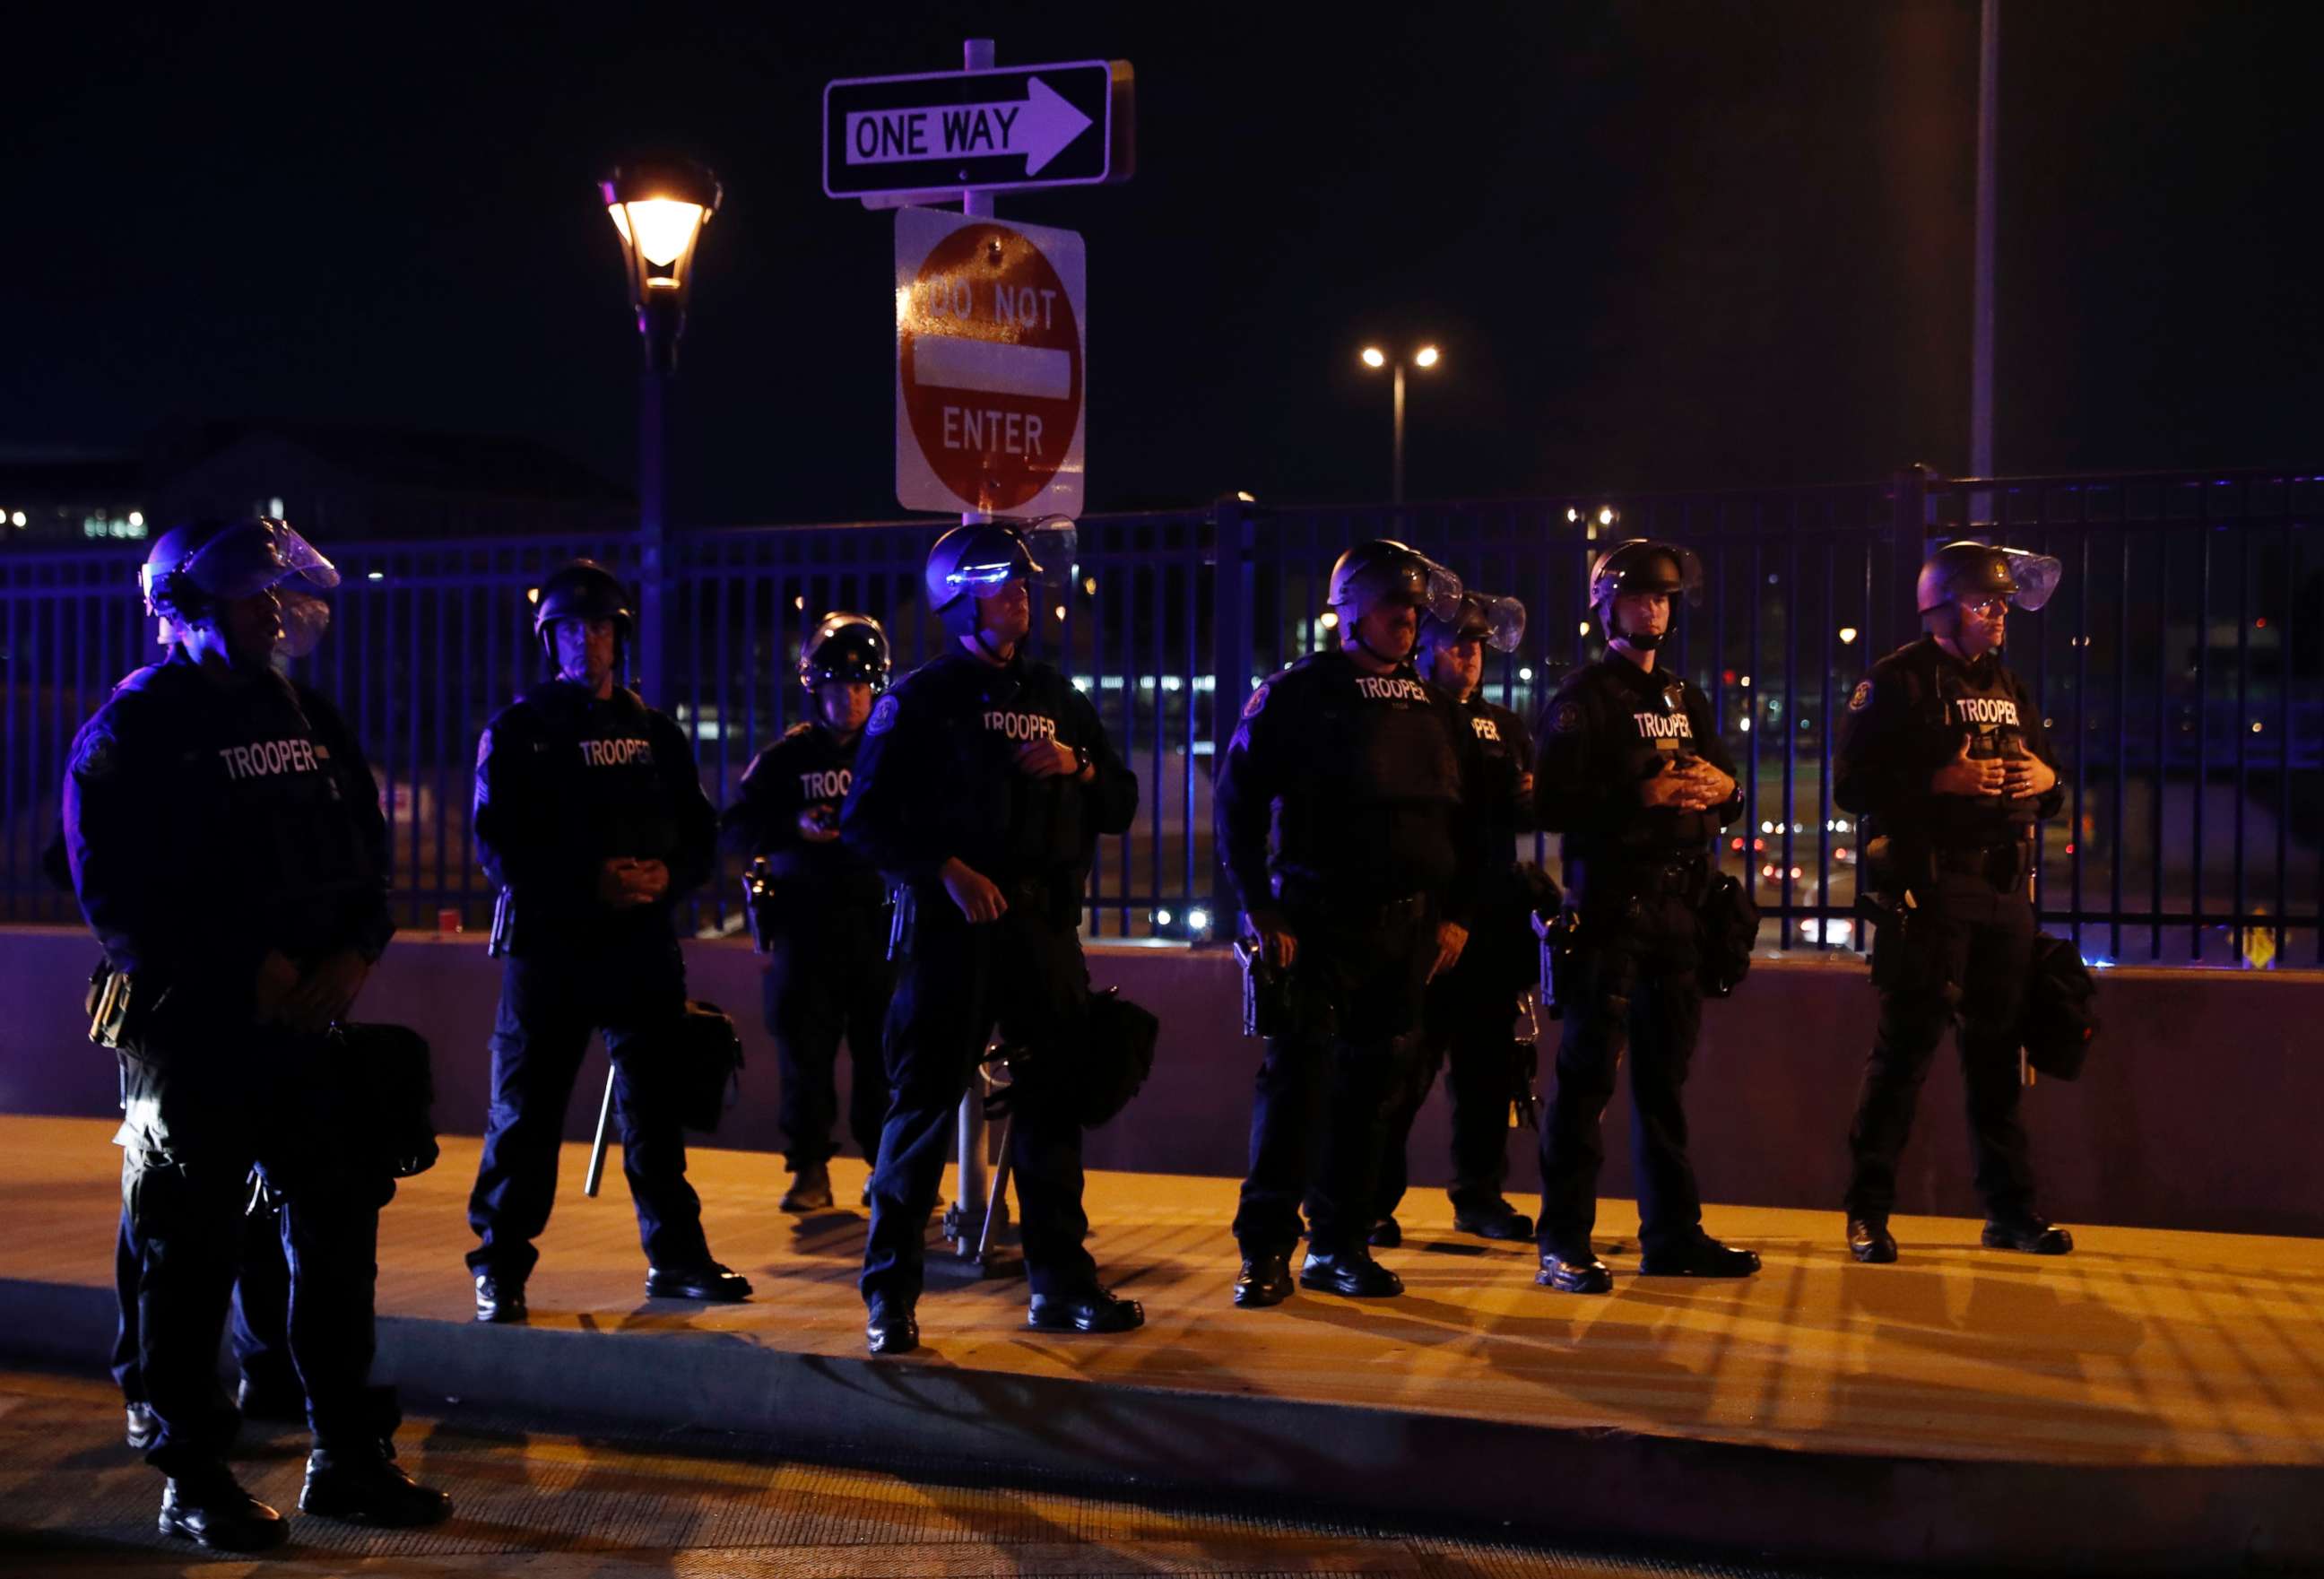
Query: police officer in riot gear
(822,911)
(1944,756)
(226,844)
(981,785)
(1470,1009)
(1633,774)
(590,818)
(269,1386)
(1360,897)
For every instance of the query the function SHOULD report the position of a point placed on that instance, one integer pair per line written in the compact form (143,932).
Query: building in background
(342,484)
(55,496)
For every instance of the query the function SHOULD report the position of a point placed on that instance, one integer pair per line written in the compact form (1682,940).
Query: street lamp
(658,205)
(1425,358)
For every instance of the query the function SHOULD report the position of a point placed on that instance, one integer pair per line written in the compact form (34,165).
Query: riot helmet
(1499,622)
(852,649)
(978,558)
(1969,569)
(582,590)
(197,567)
(1383,571)
(1642,564)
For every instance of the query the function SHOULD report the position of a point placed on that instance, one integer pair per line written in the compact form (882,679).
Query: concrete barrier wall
(2197,1111)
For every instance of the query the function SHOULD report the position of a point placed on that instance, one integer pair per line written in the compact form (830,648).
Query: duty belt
(1358,910)
(1648,880)
(2002,863)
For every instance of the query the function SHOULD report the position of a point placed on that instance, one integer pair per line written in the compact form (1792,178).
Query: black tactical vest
(1380,787)
(257,786)
(1658,736)
(1981,704)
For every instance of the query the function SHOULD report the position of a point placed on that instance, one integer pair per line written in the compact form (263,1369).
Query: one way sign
(1056,125)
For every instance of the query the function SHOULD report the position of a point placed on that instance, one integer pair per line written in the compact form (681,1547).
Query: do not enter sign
(989,345)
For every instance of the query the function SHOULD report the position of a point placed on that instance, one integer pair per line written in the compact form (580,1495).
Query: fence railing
(2180,666)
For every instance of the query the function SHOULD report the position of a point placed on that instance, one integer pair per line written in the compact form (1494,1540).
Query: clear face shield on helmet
(1043,552)
(1506,616)
(247,558)
(252,555)
(2036,575)
(305,618)
(1412,579)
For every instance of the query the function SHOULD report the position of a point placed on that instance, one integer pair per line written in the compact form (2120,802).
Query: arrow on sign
(1040,127)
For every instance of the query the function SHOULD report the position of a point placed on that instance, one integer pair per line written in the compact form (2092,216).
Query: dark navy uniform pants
(261,1310)
(1631,987)
(550,1002)
(827,977)
(1025,974)
(1965,950)
(1319,1117)
(200,1115)
(1470,1029)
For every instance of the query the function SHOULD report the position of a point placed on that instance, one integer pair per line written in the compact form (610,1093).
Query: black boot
(1869,1241)
(1351,1272)
(1386,1234)
(890,1327)
(1699,1257)
(207,1507)
(500,1298)
(363,1484)
(1580,1273)
(710,1282)
(810,1189)
(1494,1219)
(1265,1280)
(1087,1310)
(2033,1236)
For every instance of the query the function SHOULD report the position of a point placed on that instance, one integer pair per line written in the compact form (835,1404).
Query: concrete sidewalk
(2154,1399)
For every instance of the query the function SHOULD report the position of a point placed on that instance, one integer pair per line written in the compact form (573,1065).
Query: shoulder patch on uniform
(1862,696)
(1567,717)
(883,716)
(97,758)
(1257,700)
(483,747)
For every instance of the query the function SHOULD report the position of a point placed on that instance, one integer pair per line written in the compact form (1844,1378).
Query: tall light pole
(1425,358)
(659,207)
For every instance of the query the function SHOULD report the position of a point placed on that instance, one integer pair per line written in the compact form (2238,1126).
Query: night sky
(1664,244)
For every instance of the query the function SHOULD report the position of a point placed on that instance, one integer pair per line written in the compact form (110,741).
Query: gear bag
(1729,925)
(2060,1009)
(696,1065)
(395,1081)
(1123,1036)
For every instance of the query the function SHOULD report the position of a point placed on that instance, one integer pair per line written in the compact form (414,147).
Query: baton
(597,1147)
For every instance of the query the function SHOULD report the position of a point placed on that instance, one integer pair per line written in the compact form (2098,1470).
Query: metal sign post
(989,329)
(971,1202)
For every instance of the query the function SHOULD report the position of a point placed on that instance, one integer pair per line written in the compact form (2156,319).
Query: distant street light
(1426,357)
(659,207)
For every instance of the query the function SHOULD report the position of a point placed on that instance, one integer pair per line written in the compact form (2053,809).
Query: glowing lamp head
(660,207)
(661,230)
(1426,357)
(1374,356)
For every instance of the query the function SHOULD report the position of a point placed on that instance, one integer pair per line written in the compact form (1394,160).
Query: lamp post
(659,207)
(1425,358)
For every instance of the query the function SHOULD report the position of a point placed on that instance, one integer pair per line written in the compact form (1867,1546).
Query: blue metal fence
(2182,668)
